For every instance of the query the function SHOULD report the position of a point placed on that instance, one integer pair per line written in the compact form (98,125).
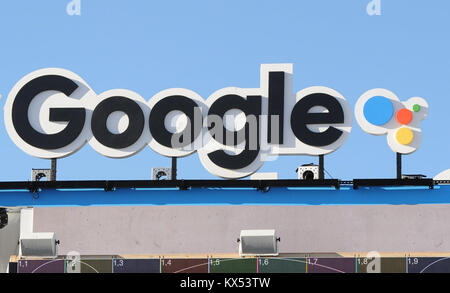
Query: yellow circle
(404,136)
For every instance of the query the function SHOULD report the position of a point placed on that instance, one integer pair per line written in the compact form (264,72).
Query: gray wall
(9,238)
(214,229)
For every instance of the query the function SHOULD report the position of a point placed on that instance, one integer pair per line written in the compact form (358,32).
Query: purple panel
(184,266)
(40,266)
(331,265)
(421,265)
(122,266)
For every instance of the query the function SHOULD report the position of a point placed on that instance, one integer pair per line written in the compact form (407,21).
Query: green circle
(416,108)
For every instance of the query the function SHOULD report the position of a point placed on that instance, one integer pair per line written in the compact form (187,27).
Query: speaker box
(258,243)
(38,244)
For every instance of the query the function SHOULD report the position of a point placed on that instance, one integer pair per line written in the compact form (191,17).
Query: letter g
(74,116)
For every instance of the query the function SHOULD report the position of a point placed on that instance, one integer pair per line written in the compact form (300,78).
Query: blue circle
(378,110)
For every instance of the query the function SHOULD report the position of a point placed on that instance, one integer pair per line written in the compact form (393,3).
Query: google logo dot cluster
(379,112)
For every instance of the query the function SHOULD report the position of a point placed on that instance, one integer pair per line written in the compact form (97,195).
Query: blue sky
(147,46)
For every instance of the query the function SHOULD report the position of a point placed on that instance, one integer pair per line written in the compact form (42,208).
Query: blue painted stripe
(213,196)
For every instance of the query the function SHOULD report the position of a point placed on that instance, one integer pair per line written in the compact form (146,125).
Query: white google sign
(52,113)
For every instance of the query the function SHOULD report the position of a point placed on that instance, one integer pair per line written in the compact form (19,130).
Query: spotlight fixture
(308,172)
(161,174)
(38,174)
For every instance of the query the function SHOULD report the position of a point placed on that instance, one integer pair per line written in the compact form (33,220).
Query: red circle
(404,116)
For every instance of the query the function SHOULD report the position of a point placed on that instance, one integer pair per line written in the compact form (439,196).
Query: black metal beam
(399,166)
(109,185)
(53,170)
(441,182)
(181,184)
(321,167)
(174,169)
(393,182)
